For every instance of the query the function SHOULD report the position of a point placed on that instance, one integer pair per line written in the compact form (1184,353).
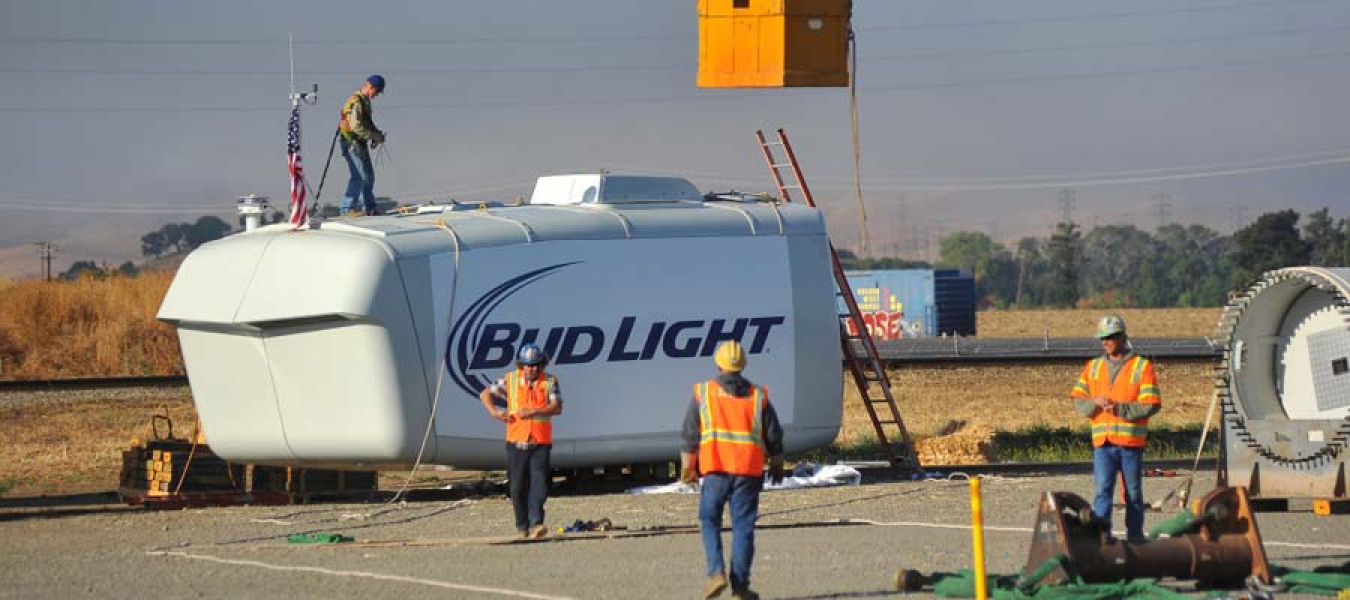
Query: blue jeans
(360,195)
(1107,461)
(530,476)
(743,494)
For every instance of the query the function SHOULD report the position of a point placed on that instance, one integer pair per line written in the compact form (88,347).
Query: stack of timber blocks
(159,468)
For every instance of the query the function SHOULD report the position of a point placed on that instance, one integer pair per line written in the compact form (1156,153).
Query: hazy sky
(122,116)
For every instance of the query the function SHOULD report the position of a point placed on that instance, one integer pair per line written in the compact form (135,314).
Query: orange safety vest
(732,436)
(1135,382)
(344,125)
(534,394)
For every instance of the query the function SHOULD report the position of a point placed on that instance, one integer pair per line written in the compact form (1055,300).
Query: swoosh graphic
(464,335)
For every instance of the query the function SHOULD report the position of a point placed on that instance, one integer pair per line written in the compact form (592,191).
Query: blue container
(955,292)
(895,304)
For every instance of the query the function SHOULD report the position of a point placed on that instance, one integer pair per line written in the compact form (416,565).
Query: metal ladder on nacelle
(860,352)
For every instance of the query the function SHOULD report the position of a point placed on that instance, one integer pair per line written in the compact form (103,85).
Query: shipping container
(909,303)
(955,293)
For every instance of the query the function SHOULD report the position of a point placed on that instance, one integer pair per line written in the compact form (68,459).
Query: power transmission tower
(1162,207)
(1067,200)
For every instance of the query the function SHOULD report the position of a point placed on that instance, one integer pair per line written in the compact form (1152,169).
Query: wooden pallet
(292,485)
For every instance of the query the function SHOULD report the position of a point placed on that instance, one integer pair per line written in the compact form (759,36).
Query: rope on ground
(358,574)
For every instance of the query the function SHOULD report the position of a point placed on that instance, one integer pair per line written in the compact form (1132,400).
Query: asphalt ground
(454,549)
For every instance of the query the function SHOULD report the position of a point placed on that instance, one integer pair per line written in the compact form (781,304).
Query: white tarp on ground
(803,476)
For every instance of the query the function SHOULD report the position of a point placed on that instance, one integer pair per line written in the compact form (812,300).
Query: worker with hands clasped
(729,430)
(532,399)
(1118,392)
(359,137)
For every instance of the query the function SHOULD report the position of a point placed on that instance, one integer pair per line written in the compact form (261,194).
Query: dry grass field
(64,446)
(107,328)
(1142,322)
(86,328)
(1008,398)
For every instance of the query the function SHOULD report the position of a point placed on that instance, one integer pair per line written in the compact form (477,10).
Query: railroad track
(91,383)
(914,351)
(958,350)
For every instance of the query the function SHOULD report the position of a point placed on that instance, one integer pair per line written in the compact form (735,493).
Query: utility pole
(1162,207)
(1239,216)
(46,251)
(1067,199)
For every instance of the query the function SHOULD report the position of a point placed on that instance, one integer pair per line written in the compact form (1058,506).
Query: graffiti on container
(883,314)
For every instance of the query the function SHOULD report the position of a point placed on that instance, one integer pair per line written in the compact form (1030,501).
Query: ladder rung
(773,143)
(794,187)
(780,165)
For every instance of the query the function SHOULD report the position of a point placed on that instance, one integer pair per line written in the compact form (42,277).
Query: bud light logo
(477,345)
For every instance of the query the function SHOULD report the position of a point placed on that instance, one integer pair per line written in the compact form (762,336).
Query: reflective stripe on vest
(731,430)
(1129,386)
(521,393)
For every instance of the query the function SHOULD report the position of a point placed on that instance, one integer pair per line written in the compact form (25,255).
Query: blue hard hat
(377,81)
(530,354)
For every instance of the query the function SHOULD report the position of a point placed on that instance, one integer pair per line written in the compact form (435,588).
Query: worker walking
(532,399)
(729,430)
(1118,392)
(359,137)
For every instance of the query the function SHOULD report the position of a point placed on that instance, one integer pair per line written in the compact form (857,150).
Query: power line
(1055,180)
(101,208)
(600,38)
(1096,17)
(670,67)
(1110,46)
(713,96)
(1106,74)
(399,71)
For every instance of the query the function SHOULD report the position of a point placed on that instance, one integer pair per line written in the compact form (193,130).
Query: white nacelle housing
(330,347)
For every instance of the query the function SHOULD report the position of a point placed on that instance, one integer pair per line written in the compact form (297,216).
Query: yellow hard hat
(730,356)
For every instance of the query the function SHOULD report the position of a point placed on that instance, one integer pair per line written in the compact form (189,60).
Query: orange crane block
(773,43)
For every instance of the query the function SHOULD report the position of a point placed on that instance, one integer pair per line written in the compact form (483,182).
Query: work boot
(744,594)
(523,534)
(713,588)
(1137,538)
(539,531)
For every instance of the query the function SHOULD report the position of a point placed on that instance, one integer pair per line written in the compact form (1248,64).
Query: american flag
(299,212)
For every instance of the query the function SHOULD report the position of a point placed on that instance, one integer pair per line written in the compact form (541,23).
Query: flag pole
(298,98)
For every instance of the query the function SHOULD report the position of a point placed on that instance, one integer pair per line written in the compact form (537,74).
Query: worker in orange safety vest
(532,398)
(729,431)
(1118,392)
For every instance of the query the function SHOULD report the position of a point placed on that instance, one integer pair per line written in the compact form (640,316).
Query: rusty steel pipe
(1221,546)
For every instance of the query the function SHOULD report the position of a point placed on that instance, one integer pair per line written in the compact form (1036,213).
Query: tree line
(1124,266)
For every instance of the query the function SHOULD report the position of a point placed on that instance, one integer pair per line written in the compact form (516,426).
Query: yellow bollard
(977,535)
